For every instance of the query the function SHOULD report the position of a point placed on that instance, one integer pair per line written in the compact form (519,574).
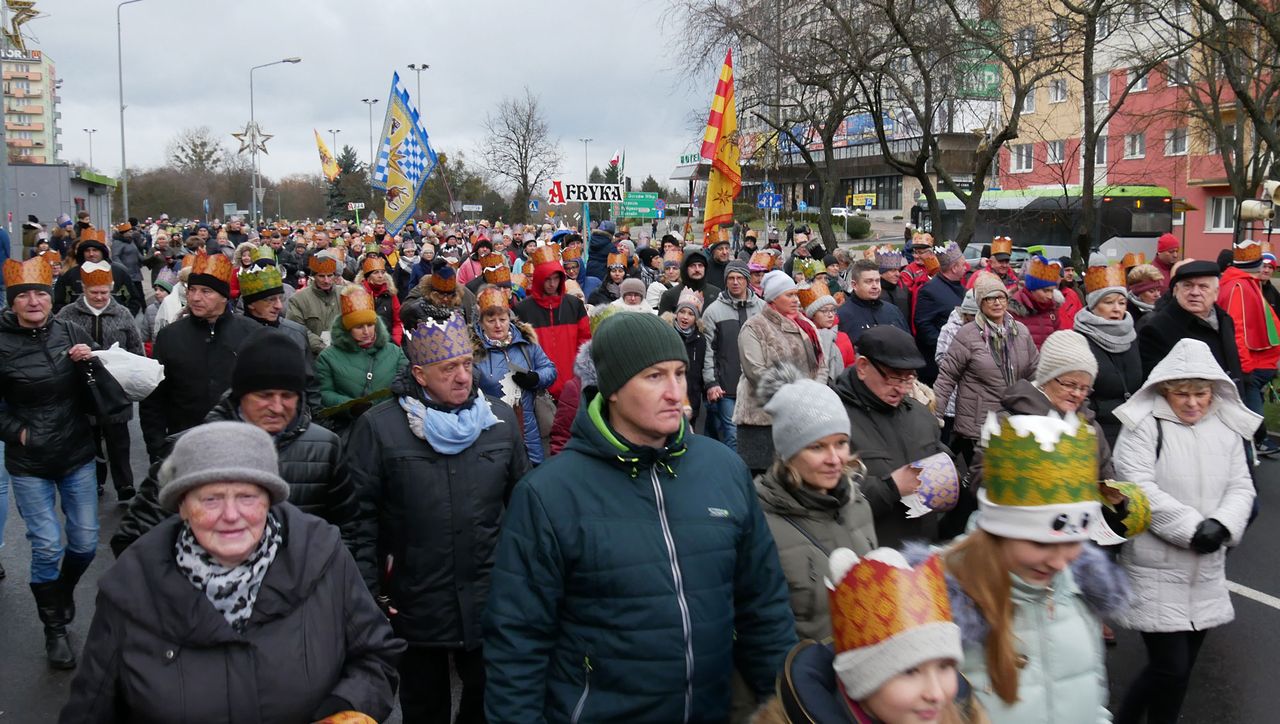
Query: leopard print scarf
(232,591)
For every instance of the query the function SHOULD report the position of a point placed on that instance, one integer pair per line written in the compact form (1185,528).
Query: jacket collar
(592,435)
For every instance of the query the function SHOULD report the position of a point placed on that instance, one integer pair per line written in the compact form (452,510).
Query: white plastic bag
(139,376)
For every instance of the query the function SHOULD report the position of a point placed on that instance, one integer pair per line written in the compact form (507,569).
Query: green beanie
(629,342)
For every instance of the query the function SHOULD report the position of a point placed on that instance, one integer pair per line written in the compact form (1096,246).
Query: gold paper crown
(357,307)
(34,271)
(52,257)
(1022,470)
(259,281)
(761,259)
(1001,245)
(493,259)
(95,273)
(1043,270)
(812,293)
(545,254)
(491,297)
(323,264)
(217,266)
(372,263)
(573,253)
(876,601)
(922,238)
(1133,259)
(499,274)
(1101,277)
(1247,251)
(444,280)
(520,281)
(617,260)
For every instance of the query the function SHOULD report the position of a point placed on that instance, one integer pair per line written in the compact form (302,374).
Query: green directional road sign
(640,205)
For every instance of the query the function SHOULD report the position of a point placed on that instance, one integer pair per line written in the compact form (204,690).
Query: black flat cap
(891,347)
(1193,268)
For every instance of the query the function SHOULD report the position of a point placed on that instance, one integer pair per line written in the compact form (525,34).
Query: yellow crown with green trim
(1026,467)
(1137,517)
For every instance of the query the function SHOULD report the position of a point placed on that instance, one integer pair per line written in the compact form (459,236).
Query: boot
(73,567)
(2,573)
(57,647)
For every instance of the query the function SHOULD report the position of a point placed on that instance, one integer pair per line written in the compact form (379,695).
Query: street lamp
(124,164)
(91,131)
(586,176)
(370,102)
(417,68)
(253,137)
(334,132)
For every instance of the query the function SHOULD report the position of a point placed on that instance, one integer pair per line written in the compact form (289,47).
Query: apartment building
(31,117)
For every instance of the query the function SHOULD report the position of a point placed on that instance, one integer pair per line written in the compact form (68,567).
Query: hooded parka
(560,319)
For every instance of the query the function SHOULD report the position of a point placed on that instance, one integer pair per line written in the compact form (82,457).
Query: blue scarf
(449,433)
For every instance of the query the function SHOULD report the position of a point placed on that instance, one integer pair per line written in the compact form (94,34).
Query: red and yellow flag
(720,145)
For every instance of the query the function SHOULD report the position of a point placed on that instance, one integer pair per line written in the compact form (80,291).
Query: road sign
(567,193)
(863,200)
(767,187)
(533,205)
(867,204)
(472,207)
(551,213)
(802,206)
(769,201)
(640,204)
(660,205)
(662,214)
(690,158)
(355,206)
(229,210)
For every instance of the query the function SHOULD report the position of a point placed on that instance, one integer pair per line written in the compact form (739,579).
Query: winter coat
(560,319)
(43,393)
(653,293)
(1056,632)
(723,320)
(807,525)
(346,371)
(629,581)
(933,304)
(1257,329)
(602,295)
(969,372)
(897,295)
(309,461)
(387,305)
(695,346)
(858,315)
(1041,320)
(1190,473)
(114,325)
(1119,377)
(125,252)
(1161,329)
(584,376)
(671,297)
(316,311)
(600,247)
(197,357)
(69,286)
(158,651)
(428,523)
(885,438)
(494,362)
(768,339)
(147,324)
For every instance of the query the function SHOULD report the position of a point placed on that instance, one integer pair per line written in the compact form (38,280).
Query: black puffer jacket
(197,359)
(428,523)
(1119,376)
(310,460)
(43,394)
(316,643)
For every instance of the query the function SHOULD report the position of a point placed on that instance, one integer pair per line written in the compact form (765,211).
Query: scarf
(1113,335)
(232,591)
(995,337)
(448,433)
(1141,305)
(810,331)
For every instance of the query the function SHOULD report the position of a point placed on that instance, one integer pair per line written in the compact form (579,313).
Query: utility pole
(124,163)
(370,102)
(334,133)
(90,131)
(586,175)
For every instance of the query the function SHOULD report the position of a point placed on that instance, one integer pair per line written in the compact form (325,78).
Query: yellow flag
(720,144)
(328,165)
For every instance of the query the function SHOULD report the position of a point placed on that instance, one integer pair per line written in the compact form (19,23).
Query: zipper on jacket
(680,599)
(586,690)
(1044,653)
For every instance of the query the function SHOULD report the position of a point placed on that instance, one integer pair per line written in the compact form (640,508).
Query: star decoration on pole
(252,137)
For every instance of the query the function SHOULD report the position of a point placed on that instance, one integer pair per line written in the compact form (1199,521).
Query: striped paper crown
(1033,464)
(617,260)
(875,601)
(490,298)
(545,254)
(259,281)
(573,253)
(1101,277)
(434,341)
(1001,245)
(812,293)
(34,271)
(96,273)
(323,263)
(1040,268)
(1133,259)
(217,266)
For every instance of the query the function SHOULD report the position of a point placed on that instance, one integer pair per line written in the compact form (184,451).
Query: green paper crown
(1045,464)
(1138,517)
(260,279)
(263,252)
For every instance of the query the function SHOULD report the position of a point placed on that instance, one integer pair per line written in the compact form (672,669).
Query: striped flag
(720,145)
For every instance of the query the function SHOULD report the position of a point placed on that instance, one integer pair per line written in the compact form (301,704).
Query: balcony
(31,110)
(23,126)
(19,93)
(23,75)
(19,142)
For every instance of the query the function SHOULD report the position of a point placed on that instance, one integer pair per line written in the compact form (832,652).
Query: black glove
(527,379)
(1209,536)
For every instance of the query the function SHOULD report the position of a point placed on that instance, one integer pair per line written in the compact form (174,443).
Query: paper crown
(1102,277)
(96,273)
(217,266)
(372,263)
(889,259)
(939,487)
(812,293)
(947,254)
(1137,519)
(444,280)
(323,263)
(545,255)
(1246,253)
(356,307)
(259,282)
(520,281)
(1041,273)
(809,267)
(264,254)
(1001,245)
(617,260)
(875,600)
(494,259)
(34,272)
(573,253)
(761,261)
(673,256)
(94,234)
(498,274)
(165,279)
(491,298)
(51,257)
(921,238)
(1133,259)
(434,341)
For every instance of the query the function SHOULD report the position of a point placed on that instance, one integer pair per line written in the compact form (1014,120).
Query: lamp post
(334,132)
(370,102)
(417,68)
(586,175)
(124,164)
(91,131)
(254,206)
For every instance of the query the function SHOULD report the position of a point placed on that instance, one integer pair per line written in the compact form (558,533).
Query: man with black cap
(693,276)
(1193,313)
(69,287)
(889,430)
(268,391)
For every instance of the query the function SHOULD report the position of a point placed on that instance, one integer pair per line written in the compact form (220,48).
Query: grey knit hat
(626,344)
(1062,352)
(969,305)
(737,266)
(803,410)
(221,452)
(775,284)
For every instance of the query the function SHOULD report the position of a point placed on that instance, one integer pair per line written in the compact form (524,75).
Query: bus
(1128,218)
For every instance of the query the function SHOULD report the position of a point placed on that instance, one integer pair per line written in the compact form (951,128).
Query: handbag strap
(805,533)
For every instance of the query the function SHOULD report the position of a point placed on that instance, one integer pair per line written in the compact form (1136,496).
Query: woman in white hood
(1184,439)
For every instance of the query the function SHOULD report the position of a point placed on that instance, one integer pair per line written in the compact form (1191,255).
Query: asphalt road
(1232,682)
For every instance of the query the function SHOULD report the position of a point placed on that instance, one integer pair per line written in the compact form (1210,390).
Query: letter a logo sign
(556,195)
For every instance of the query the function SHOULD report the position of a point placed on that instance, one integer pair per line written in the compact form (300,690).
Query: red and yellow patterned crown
(1101,277)
(32,272)
(372,263)
(490,298)
(357,307)
(761,261)
(1001,245)
(545,254)
(96,273)
(812,293)
(876,601)
(1133,259)
(573,253)
(217,266)
(323,263)
(1035,461)
(1040,268)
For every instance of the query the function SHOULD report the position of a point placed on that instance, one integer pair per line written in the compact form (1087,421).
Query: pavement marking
(1258,596)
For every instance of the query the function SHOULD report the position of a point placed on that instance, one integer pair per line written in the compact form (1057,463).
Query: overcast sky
(601,69)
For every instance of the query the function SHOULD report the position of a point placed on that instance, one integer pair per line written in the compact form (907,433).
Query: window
(1104,24)
(1057,90)
(1228,132)
(1101,88)
(1024,41)
(1100,152)
(1136,82)
(1020,158)
(1175,142)
(1178,72)
(1138,12)
(1135,145)
(1222,214)
(1056,152)
(1060,30)
(1179,216)
(1029,101)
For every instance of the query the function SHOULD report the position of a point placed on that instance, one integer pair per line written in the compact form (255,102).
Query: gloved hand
(527,379)
(1209,536)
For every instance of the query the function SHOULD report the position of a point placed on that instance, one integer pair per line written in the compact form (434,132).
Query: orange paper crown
(96,274)
(498,274)
(1043,270)
(761,261)
(52,257)
(1101,277)
(812,293)
(1001,245)
(1246,252)
(357,307)
(217,266)
(617,260)
(545,254)
(323,264)
(930,262)
(32,272)
(494,259)
(372,263)
(573,253)
(490,298)
(1133,259)
(877,601)
(922,238)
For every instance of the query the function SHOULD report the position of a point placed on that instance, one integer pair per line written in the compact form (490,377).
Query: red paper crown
(877,601)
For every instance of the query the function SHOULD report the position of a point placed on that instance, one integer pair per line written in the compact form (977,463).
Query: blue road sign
(533,205)
(767,187)
(662,213)
(660,204)
(868,203)
(802,206)
(769,201)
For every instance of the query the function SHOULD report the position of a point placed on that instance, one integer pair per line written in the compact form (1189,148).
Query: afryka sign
(563,193)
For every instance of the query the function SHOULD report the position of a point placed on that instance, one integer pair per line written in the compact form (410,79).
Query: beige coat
(767,339)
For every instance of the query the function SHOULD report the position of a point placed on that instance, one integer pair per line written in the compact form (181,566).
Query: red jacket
(1040,320)
(561,321)
(387,305)
(1257,328)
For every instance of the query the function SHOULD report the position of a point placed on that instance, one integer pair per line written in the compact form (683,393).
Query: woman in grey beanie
(810,493)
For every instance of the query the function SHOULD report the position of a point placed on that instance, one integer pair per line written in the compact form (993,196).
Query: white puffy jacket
(1201,472)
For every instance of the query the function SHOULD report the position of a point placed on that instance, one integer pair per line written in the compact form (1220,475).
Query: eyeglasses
(1074,388)
(896,380)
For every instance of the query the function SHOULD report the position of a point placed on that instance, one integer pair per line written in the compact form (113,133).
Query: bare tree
(519,149)
(196,149)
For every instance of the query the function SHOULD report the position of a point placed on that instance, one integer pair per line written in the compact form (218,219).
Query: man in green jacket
(316,306)
(635,570)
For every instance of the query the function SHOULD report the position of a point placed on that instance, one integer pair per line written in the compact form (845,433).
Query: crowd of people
(592,478)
